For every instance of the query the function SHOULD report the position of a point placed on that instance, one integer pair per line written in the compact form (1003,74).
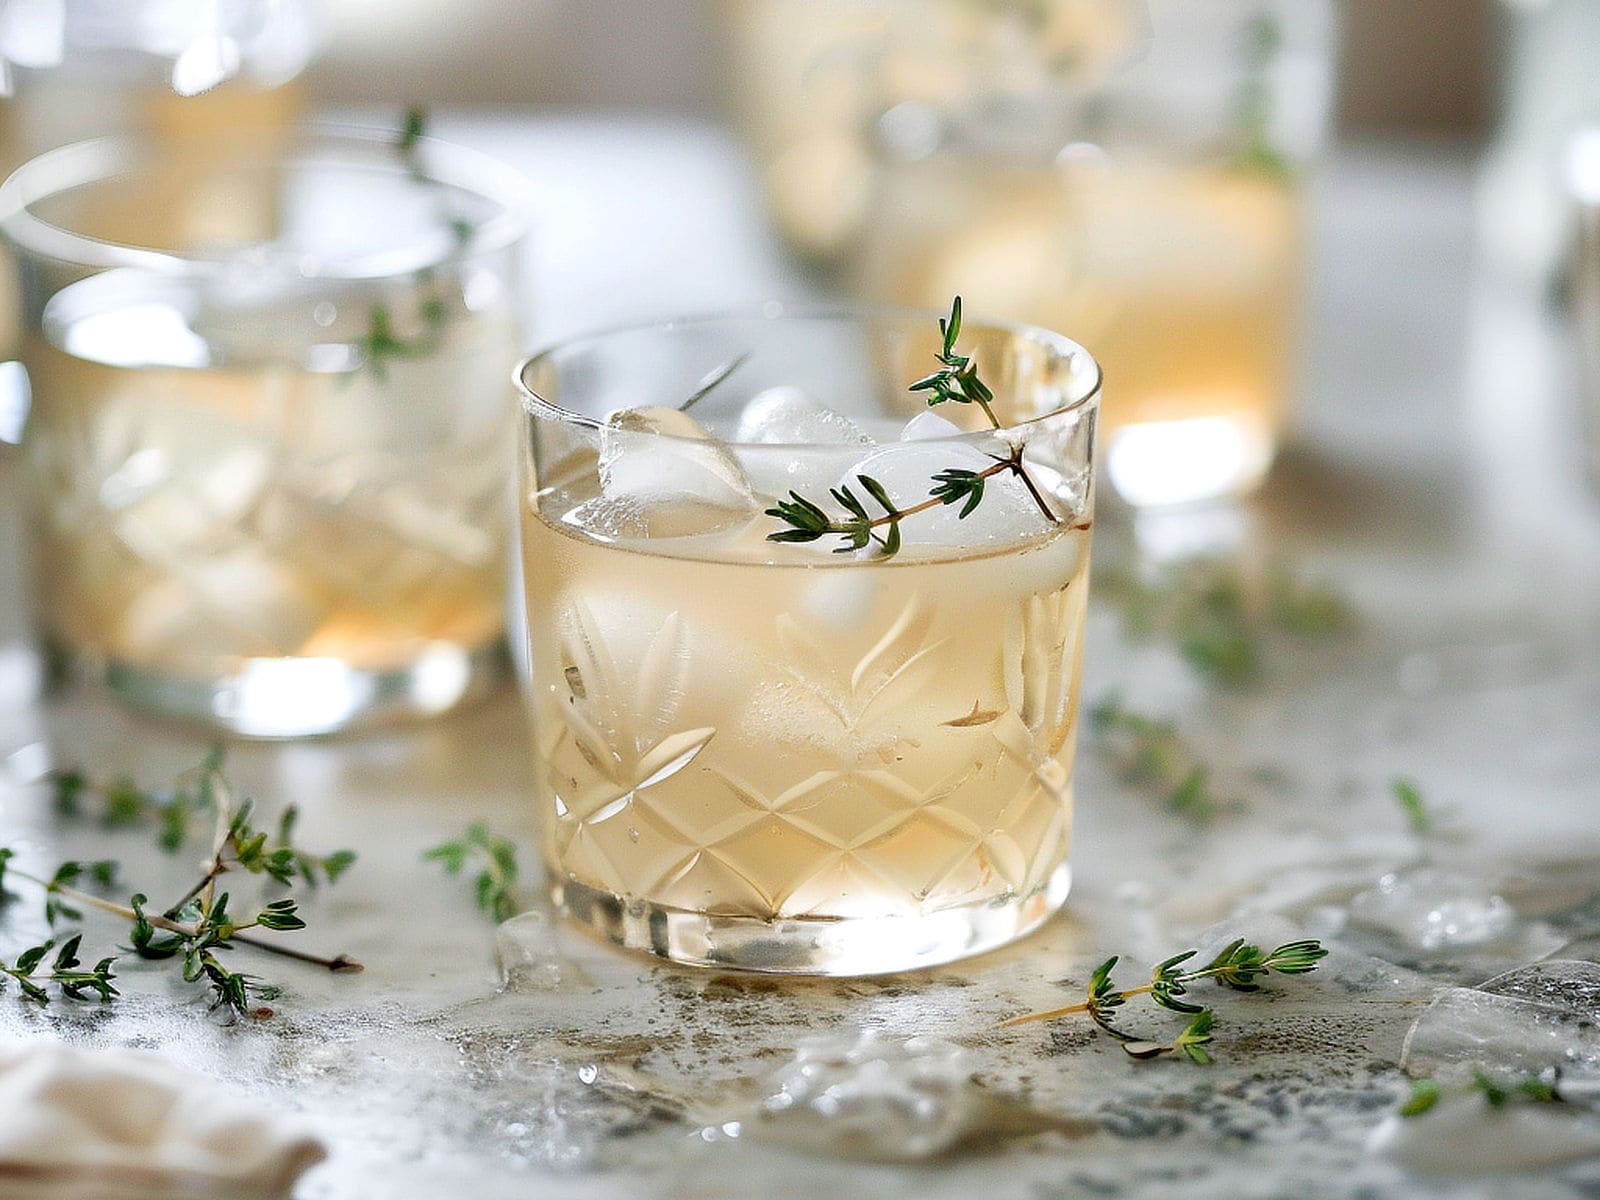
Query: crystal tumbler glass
(266,448)
(844,751)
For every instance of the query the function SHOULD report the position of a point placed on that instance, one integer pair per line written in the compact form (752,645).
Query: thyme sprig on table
(1419,815)
(495,856)
(197,797)
(955,382)
(33,975)
(1238,966)
(199,925)
(1218,613)
(1151,754)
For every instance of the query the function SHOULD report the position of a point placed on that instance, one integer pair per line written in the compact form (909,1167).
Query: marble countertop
(1435,479)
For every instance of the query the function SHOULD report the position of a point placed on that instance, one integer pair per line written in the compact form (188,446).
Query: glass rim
(535,405)
(97,160)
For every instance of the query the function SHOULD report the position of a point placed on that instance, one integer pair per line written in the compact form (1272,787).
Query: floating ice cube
(788,416)
(928,424)
(1525,1021)
(609,519)
(1007,513)
(239,603)
(188,504)
(677,479)
(776,470)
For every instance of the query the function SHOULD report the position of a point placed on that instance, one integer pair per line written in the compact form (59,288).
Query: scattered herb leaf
(1150,753)
(495,856)
(1238,965)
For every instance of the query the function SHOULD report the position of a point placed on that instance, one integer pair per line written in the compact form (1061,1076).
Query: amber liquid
(737,729)
(219,491)
(1184,283)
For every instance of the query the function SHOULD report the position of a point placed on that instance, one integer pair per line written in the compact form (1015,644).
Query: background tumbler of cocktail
(774,755)
(1132,171)
(266,451)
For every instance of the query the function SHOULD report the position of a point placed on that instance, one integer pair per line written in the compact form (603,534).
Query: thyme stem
(167,924)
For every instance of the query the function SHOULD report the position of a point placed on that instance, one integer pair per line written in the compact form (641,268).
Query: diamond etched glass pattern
(918,775)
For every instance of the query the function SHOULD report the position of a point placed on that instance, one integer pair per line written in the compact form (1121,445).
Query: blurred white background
(1410,65)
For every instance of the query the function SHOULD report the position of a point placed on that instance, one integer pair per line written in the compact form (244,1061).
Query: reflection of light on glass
(439,677)
(1174,462)
(29,763)
(16,396)
(481,291)
(1172,536)
(33,32)
(1583,166)
(21,683)
(136,335)
(204,63)
(279,697)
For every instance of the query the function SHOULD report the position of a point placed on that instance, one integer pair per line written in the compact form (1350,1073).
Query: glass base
(307,697)
(845,946)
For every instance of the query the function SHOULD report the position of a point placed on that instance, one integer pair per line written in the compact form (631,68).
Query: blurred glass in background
(72,69)
(1128,173)
(198,75)
(267,457)
(1540,192)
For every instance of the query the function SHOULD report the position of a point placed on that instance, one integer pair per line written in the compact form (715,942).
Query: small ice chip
(1543,1015)
(1432,911)
(787,416)
(870,1097)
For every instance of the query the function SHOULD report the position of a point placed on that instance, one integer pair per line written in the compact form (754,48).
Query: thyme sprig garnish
(199,925)
(1238,966)
(382,346)
(1151,754)
(495,856)
(1532,1089)
(955,382)
(413,127)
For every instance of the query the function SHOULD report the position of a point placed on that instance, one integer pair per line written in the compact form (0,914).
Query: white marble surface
(1436,480)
